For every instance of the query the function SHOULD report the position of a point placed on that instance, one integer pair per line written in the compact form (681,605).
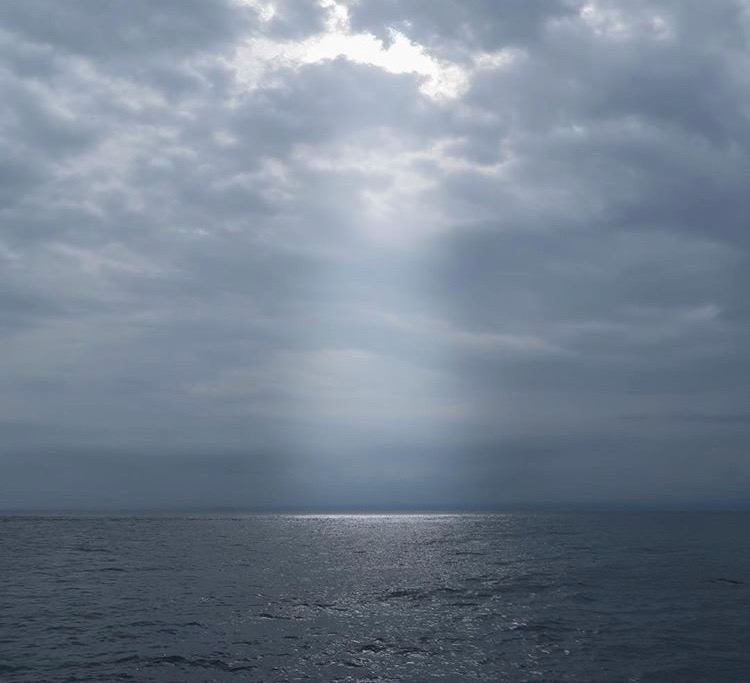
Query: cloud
(358,247)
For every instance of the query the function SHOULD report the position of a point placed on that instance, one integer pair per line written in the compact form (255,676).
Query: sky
(374,254)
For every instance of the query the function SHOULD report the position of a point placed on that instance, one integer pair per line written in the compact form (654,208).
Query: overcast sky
(379,253)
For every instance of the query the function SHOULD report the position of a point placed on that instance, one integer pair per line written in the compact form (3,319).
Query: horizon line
(549,508)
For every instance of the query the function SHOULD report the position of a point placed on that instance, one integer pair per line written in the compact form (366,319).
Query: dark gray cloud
(250,256)
(124,34)
(453,26)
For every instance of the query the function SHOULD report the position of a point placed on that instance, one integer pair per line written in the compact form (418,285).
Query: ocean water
(521,597)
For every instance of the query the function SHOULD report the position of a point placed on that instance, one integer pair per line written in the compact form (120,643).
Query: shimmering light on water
(597,597)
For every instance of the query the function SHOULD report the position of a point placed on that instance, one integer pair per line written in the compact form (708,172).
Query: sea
(587,597)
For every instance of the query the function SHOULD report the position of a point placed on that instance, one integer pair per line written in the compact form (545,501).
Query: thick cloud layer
(374,253)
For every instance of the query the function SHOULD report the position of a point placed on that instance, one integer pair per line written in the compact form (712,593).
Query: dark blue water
(526,597)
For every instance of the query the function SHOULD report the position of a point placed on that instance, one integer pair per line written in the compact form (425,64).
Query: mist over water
(592,597)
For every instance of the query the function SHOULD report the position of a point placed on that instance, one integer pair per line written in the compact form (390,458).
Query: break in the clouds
(376,252)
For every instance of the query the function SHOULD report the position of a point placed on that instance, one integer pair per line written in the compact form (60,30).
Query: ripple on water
(448,598)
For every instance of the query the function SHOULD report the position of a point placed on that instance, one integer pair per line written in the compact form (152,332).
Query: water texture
(522,597)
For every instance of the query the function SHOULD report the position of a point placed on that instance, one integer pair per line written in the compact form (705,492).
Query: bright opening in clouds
(336,39)
(373,253)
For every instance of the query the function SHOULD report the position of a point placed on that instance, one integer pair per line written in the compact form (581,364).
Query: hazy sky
(374,253)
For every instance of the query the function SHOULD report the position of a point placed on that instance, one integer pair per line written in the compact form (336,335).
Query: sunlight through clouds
(436,227)
(440,80)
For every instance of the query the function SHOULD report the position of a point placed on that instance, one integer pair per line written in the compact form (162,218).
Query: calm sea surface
(520,597)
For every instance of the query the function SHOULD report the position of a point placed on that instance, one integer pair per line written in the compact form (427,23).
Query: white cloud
(440,79)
